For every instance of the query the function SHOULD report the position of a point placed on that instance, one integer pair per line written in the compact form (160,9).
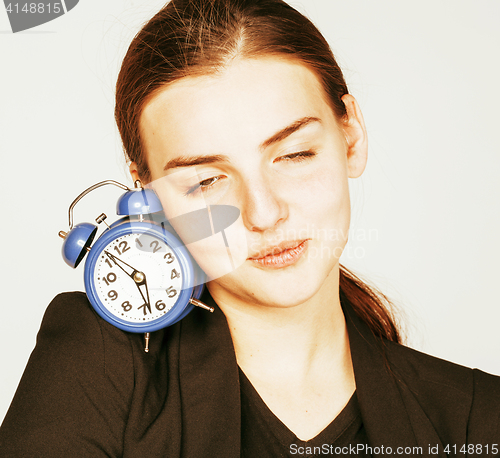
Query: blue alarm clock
(138,274)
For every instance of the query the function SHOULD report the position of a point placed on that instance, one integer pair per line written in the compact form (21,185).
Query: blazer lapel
(210,391)
(391,415)
(209,381)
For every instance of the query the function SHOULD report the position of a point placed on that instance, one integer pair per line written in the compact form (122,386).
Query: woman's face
(259,136)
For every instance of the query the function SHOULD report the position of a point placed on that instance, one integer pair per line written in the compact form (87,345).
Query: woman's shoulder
(81,382)
(98,349)
(71,325)
(422,367)
(444,386)
(70,318)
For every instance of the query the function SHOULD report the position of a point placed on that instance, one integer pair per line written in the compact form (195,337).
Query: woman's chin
(277,288)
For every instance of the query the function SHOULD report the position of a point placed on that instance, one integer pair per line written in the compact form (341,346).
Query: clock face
(137,277)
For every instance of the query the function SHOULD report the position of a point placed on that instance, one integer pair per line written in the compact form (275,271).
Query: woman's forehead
(251,98)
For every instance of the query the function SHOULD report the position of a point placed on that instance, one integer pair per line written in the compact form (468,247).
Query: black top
(264,435)
(89,390)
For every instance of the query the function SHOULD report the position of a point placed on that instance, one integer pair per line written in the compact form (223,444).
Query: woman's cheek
(214,234)
(323,207)
(222,252)
(324,188)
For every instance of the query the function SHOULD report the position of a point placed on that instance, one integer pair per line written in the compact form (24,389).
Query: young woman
(241,102)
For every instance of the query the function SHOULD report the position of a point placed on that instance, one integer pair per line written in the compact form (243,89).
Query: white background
(426,219)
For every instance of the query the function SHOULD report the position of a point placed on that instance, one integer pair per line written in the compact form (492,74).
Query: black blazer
(89,390)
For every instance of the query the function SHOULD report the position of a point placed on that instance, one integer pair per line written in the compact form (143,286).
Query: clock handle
(90,189)
(146,341)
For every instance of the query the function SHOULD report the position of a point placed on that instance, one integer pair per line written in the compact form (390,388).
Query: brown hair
(200,37)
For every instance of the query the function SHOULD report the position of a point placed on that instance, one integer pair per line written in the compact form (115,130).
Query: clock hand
(143,289)
(128,269)
(138,277)
(147,291)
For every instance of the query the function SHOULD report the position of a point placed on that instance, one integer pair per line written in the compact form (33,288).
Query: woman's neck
(297,358)
(300,342)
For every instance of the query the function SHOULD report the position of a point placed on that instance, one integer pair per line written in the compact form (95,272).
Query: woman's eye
(203,185)
(296,157)
(208,182)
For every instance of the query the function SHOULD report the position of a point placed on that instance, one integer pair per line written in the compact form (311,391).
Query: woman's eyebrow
(182,161)
(289,130)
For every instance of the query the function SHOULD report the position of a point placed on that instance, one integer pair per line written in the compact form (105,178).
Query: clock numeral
(156,246)
(174,274)
(138,242)
(160,305)
(170,259)
(113,295)
(110,278)
(123,246)
(146,308)
(108,262)
(171,292)
(127,306)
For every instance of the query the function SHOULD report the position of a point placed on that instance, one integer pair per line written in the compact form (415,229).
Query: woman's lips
(282,255)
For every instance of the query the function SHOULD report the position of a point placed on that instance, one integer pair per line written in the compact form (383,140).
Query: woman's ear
(133,171)
(355,134)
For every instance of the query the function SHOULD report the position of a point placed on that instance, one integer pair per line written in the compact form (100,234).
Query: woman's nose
(262,207)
